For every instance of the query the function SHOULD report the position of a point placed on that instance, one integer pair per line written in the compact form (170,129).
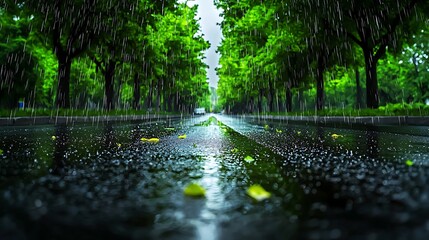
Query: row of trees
(93,53)
(277,51)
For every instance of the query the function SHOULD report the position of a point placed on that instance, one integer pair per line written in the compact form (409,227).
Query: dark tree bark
(158,95)
(109,85)
(271,95)
(368,45)
(372,98)
(320,83)
(288,98)
(149,96)
(63,90)
(170,102)
(70,50)
(136,100)
(301,99)
(250,105)
(260,97)
(358,90)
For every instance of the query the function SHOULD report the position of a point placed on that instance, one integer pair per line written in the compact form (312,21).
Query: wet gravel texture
(102,181)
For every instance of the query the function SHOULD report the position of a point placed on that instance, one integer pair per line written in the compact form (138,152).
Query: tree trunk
(158,96)
(288,98)
(170,102)
(136,100)
(371,79)
(109,85)
(63,90)
(271,96)
(250,105)
(301,99)
(149,96)
(176,102)
(320,84)
(261,92)
(358,90)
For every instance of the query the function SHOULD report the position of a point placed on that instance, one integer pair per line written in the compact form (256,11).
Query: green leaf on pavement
(194,190)
(249,159)
(258,193)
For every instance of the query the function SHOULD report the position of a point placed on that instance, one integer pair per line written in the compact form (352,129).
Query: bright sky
(209,17)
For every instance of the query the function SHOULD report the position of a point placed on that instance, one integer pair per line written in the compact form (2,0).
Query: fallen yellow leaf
(335,136)
(54,137)
(182,136)
(152,140)
(258,193)
(194,190)
(409,163)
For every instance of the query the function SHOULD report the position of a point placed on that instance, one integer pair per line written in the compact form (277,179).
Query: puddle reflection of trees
(61,145)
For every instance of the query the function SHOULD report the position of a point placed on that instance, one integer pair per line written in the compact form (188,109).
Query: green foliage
(150,53)
(47,71)
(270,50)
(17,65)
(43,112)
(156,50)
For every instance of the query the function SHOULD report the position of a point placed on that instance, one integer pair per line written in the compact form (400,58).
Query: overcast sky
(209,16)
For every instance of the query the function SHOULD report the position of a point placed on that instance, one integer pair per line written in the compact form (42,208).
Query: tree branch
(355,39)
(97,62)
(56,36)
(394,23)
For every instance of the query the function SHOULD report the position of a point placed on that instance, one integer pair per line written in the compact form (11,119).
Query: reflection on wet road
(103,181)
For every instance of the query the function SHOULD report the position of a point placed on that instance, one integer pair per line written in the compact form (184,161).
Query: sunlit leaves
(178,47)
(258,193)
(194,190)
(409,163)
(1,151)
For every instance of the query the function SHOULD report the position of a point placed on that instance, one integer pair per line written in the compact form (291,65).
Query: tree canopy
(274,48)
(276,55)
(90,54)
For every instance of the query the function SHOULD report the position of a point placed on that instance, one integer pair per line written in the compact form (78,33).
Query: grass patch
(208,122)
(30,112)
(388,110)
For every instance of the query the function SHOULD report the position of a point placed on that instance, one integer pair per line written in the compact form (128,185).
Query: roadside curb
(25,121)
(370,120)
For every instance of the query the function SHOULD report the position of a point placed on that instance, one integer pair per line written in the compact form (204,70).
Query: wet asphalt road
(102,181)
